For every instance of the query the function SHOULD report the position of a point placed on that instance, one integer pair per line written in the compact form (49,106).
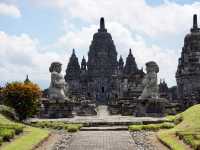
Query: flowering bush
(23,97)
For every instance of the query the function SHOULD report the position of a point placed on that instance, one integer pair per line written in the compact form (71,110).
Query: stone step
(105,128)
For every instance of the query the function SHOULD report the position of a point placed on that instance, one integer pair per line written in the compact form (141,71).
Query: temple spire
(102,25)
(195,24)
(130,51)
(130,66)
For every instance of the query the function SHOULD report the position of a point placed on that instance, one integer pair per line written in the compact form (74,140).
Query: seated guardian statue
(57,85)
(150,81)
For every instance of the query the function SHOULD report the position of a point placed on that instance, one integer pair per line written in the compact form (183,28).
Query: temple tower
(131,66)
(121,64)
(73,68)
(83,64)
(188,71)
(102,56)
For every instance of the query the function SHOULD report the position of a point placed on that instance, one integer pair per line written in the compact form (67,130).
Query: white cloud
(21,55)
(9,10)
(131,23)
(162,20)
(50,3)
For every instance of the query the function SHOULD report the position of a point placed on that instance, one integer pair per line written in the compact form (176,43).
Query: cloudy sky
(33,33)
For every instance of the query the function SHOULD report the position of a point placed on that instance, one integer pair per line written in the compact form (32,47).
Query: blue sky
(33,33)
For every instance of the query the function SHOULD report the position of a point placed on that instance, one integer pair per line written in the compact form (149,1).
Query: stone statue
(150,81)
(57,86)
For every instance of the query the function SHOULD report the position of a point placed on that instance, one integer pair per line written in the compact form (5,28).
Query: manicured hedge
(152,127)
(58,125)
(16,127)
(7,134)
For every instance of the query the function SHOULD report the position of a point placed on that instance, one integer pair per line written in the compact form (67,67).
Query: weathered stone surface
(102,140)
(150,81)
(56,104)
(188,71)
(131,66)
(57,85)
(102,79)
(109,140)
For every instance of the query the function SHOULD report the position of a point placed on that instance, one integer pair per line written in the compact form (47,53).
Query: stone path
(109,140)
(102,140)
(102,111)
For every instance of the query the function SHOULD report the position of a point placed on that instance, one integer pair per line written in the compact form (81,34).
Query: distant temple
(102,77)
(188,71)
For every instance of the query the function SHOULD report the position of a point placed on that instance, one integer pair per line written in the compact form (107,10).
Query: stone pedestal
(151,107)
(86,108)
(56,109)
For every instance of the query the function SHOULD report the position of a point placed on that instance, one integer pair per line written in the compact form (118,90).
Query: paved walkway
(102,140)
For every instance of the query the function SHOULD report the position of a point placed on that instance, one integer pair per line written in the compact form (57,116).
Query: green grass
(152,127)
(32,136)
(187,130)
(169,139)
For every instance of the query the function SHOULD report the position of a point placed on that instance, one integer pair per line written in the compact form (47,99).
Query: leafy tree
(23,97)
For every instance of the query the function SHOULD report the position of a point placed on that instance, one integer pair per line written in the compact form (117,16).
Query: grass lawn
(31,137)
(188,130)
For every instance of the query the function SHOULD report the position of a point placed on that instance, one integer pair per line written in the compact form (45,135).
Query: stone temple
(188,71)
(103,77)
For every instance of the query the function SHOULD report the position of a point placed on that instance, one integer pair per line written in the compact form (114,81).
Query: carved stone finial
(102,23)
(130,51)
(73,51)
(195,23)
(195,27)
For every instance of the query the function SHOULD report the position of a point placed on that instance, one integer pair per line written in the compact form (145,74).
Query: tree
(23,97)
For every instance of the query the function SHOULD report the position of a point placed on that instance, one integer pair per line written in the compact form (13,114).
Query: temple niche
(188,71)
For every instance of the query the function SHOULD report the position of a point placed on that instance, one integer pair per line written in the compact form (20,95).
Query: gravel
(63,141)
(142,140)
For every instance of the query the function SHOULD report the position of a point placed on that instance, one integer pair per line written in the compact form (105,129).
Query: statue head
(55,67)
(152,66)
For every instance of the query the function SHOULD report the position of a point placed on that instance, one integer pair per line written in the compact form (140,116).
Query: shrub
(72,128)
(8,112)
(167,125)
(151,127)
(17,128)
(58,125)
(135,127)
(23,97)
(7,134)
